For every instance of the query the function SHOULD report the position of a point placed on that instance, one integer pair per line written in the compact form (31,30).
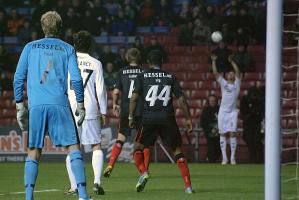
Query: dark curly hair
(82,41)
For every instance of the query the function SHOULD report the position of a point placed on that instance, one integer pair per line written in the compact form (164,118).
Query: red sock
(116,149)
(147,157)
(183,166)
(139,161)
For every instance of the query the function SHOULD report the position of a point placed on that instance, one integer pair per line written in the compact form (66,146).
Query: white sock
(223,147)
(70,173)
(97,165)
(233,147)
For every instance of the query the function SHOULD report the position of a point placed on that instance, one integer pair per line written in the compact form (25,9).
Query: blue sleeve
(20,75)
(75,77)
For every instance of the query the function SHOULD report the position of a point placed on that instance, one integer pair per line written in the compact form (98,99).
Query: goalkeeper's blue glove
(80,111)
(22,116)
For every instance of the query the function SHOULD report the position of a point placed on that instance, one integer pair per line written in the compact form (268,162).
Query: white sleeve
(221,80)
(101,89)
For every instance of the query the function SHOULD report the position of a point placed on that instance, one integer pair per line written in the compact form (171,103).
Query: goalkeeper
(45,65)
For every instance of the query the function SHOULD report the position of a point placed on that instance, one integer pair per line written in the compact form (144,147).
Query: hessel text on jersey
(156,75)
(132,71)
(48,46)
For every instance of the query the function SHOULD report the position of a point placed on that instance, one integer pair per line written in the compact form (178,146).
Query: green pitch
(210,181)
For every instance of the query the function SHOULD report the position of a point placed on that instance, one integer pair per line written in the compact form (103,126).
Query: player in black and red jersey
(125,85)
(156,88)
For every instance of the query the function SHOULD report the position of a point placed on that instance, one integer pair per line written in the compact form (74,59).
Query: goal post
(273,100)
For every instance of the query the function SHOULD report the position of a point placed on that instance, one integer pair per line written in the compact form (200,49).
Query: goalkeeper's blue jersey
(45,65)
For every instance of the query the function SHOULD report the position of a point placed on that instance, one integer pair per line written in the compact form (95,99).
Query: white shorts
(227,121)
(90,132)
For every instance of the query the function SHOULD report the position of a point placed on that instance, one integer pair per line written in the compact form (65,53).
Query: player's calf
(183,166)
(77,166)
(116,150)
(31,171)
(139,161)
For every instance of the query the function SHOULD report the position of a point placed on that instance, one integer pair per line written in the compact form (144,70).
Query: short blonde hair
(133,55)
(51,23)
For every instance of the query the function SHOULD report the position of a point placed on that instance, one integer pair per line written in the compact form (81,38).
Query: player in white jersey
(228,113)
(95,97)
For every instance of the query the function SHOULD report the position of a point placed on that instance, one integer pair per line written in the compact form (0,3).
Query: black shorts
(169,133)
(124,128)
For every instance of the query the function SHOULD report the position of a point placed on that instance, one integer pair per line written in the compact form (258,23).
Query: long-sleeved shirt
(95,94)
(45,65)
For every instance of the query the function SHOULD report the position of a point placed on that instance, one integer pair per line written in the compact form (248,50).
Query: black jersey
(126,83)
(156,87)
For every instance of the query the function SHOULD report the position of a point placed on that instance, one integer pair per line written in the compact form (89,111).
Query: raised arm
(235,66)
(214,66)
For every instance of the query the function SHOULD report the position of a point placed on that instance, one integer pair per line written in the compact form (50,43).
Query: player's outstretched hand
(103,120)
(22,116)
(80,111)
(189,126)
(116,110)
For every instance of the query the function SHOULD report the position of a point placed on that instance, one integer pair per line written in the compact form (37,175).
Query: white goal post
(273,100)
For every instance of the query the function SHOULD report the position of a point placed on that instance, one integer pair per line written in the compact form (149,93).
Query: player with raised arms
(228,113)
(125,85)
(45,64)
(95,98)
(156,88)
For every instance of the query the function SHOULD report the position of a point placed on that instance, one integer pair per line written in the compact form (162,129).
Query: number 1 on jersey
(152,95)
(131,89)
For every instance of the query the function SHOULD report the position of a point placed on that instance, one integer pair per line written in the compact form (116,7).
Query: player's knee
(176,150)
(121,137)
(119,143)
(233,134)
(180,157)
(96,147)
(34,154)
(73,147)
(138,146)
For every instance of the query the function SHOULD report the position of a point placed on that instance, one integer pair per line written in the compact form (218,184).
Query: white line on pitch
(36,191)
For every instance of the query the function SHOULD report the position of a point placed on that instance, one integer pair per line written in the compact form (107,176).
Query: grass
(211,182)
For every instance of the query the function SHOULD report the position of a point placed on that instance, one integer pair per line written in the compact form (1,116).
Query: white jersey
(230,93)
(95,94)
